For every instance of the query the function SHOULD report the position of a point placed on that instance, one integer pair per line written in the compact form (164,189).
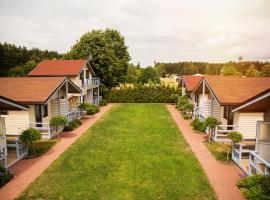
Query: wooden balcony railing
(91,83)
(257,165)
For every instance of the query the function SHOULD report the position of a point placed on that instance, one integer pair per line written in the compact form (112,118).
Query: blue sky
(174,30)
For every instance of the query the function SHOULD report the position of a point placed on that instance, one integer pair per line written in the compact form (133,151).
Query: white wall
(16,121)
(247,123)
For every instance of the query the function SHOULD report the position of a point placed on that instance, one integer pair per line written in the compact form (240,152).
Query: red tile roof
(29,90)
(235,90)
(191,81)
(58,68)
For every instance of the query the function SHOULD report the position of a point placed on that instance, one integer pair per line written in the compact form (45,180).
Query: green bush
(42,146)
(182,101)
(58,121)
(72,125)
(198,125)
(211,123)
(93,109)
(141,94)
(5,175)
(255,187)
(235,136)
(174,98)
(30,136)
(103,102)
(84,106)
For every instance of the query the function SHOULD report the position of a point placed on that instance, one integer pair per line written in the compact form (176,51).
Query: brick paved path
(27,171)
(221,176)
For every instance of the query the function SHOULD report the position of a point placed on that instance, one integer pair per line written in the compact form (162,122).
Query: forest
(111,61)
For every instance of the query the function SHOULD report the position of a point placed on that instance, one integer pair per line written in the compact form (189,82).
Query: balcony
(91,83)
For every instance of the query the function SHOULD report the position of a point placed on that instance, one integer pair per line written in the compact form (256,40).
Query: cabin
(188,84)
(79,72)
(219,95)
(31,102)
(255,159)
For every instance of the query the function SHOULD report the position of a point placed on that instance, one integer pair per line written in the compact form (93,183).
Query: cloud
(158,30)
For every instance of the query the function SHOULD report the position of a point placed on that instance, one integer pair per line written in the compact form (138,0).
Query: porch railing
(13,141)
(3,150)
(241,151)
(74,114)
(91,83)
(97,99)
(198,114)
(221,132)
(47,131)
(257,165)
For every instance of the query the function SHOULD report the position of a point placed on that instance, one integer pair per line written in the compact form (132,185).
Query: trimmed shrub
(84,106)
(141,94)
(103,102)
(92,109)
(255,187)
(235,136)
(58,121)
(198,125)
(5,175)
(72,125)
(174,98)
(30,136)
(211,123)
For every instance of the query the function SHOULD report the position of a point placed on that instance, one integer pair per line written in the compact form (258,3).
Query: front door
(38,113)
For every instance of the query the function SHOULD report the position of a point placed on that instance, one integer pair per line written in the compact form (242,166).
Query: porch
(11,150)
(253,157)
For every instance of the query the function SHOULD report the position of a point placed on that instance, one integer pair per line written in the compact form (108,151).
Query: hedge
(142,94)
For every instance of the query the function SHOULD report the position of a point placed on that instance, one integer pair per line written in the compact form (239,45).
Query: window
(227,114)
(45,110)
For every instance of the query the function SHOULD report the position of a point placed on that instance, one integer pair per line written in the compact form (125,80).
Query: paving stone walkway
(221,176)
(27,171)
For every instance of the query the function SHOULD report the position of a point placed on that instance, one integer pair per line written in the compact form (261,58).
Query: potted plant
(30,136)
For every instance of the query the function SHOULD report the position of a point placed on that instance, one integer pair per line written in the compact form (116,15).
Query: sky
(154,30)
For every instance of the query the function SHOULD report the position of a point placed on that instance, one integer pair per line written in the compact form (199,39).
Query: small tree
(211,123)
(58,122)
(235,137)
(30,137)
(188,109)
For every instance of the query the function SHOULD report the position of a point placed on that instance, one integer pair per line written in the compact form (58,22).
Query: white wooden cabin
(219,95)
(40,99)
(255,160)
(79,72)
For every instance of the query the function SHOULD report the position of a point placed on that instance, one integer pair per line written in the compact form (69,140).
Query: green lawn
(134,152)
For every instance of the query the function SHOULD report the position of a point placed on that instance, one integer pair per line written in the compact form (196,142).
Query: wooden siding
(247,124)
(205,105)
(216,109)
(16,122)
(63,107)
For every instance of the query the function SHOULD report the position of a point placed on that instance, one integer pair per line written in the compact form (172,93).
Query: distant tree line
(244,68)
(18,61)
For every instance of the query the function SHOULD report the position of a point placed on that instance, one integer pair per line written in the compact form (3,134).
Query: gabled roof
(60,68)
(191,81)
(234,90)
(9,104)
(32,90)
(259,102)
